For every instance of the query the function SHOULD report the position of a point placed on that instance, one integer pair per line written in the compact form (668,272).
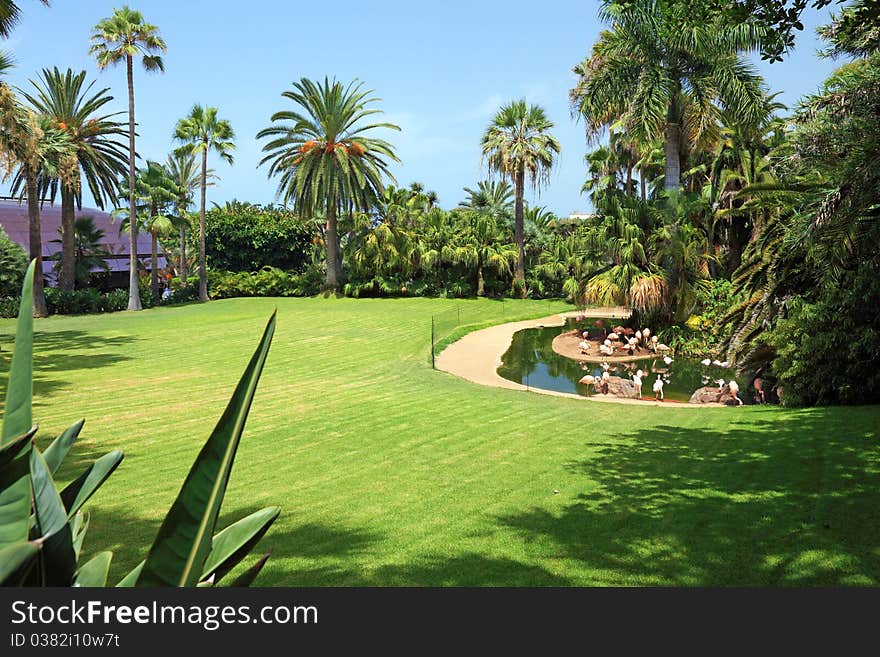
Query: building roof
(14,219)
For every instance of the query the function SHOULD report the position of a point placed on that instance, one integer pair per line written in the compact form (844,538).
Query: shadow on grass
(56,352)
(792,503)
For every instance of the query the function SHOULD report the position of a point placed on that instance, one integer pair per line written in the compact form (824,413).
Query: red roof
(14,219)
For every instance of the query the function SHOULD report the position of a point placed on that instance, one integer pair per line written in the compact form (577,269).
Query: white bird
(605,350)
(605,375)
(667,360)
(734,387)
(583,344)
(716,362)
(607,343)
(724,363)
(639,336)
(606,366)
(720,383)
(658,388)
(646,333)
(612,336)
(663,347)
(589,379)
(705,361)
(637,378)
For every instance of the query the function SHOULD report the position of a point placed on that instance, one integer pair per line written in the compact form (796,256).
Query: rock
(709,395)
(620,387)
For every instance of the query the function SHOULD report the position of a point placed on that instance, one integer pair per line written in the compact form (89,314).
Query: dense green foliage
(242,237)
(13,262)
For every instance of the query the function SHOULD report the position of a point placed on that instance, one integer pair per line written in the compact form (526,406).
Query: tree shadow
(59,352)
(793,504)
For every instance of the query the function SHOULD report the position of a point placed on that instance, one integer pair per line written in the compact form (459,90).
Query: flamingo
(720,383)
(716,362)
(706,362)
(663,347)
(667,360)
(646,333)
(658,388)
(612,336)
(589,379)
(724,363)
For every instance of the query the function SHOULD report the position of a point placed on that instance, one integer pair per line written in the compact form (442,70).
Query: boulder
(710,395)
(620,387)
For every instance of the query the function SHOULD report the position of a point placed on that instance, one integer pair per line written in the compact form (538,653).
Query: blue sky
(441,69)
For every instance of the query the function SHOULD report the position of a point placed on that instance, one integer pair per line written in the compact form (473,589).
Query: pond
(531,361)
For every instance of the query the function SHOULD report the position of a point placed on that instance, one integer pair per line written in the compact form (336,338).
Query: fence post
(432,343)
(458,310)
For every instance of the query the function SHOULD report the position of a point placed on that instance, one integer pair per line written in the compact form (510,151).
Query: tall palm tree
(201,132)
(324,159)
(95,137)
(120,38)
(34,144)
(183,169)
(666,76)
(518,145)
(480,244)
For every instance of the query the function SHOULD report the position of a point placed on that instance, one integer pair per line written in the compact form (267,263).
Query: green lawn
(390,473)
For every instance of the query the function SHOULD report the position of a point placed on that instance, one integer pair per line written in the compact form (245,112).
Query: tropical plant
(94,137)
(13,263)
(35,145)
(120,38)
(42,529)
(664,74)
(481,245)
(200,133)
(89,253)
(183,170)
(324,159)
(518,145)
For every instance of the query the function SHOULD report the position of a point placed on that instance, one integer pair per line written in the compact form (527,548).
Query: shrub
(13,263)
(267,282)
(241,237)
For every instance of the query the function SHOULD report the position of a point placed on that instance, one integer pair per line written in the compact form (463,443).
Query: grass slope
(390,473)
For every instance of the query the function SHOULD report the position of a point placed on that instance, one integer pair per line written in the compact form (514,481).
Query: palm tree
(490,197)
(479,244)
(156,189)
(201,132)
(666,76)
(120,38)
(324,159)
(94,136)
(37,146)
(183,169)
(90,254)
(518,145)
(10,13)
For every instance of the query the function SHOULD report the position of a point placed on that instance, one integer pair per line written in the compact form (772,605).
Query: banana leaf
(59,447)
(247,577)
(13,558)
(57,557)
(95,571)
(18,414)
(77,492)
(234,543)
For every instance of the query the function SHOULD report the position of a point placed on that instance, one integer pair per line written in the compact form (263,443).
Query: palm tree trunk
(520,273)
(203,258)
(134,293)
(154,263)
(673,157)
(35,242)
(629,179)
(331,237)
(480,283)
(67,277)
(182,269)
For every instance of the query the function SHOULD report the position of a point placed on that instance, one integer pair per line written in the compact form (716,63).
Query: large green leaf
(15,498)
(56,452)
(14,557)
(131,579)
(18,416)
(77,492)
(247,577)
(234,543)
(78,527)
(94,572)
(57,558)
(178,554)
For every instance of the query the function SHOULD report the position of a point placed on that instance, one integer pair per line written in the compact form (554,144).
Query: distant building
(581,216)
(14,219)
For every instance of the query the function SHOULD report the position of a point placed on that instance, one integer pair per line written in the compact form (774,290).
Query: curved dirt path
(477,357)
